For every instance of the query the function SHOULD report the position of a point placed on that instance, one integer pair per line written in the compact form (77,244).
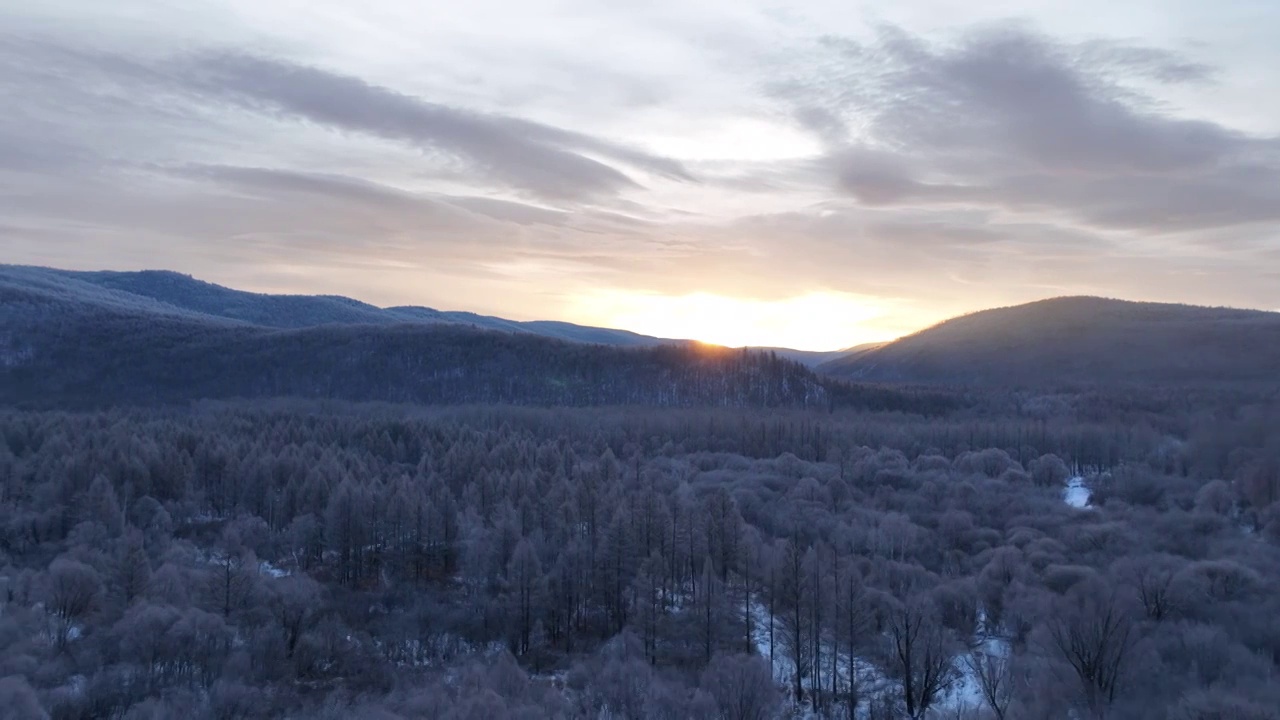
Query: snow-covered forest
(306,560)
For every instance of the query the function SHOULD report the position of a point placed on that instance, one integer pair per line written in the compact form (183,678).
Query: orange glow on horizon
(817,321)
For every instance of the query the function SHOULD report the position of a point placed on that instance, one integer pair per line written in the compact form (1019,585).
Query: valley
(274,518)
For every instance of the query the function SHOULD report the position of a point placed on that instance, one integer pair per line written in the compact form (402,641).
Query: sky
(812,174)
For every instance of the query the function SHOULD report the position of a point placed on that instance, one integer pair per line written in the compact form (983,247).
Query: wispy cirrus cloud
(527,156)
(1008,118)
(520,155)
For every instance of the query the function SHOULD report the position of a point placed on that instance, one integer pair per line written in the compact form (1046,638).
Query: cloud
(543,160)
(524,156)
(1159,64)
(944,172)
(269,182)
(229,160)
(1008,118)
(942,261)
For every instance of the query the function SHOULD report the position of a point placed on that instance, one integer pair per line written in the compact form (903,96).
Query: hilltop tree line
(149,358)
(254,560)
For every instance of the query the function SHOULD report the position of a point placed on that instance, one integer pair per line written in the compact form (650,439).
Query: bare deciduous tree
(133,569)
(1155,581)
(1093,632)
(524,572)
(71,592)
(993,673)
(922,654)
(295,601)
(742,687)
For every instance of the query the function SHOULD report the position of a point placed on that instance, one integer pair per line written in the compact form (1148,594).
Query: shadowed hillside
(176,294)
(1080,340)
(171,293)
(60,348)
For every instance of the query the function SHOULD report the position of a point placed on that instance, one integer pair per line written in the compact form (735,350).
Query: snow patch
(1076,494)
(266,568)
(963,698)
(874,686)
(766,647)
(965,695)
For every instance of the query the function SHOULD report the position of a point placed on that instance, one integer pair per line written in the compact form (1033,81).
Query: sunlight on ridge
(815,321)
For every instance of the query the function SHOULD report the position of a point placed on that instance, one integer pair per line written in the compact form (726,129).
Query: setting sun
(817,321)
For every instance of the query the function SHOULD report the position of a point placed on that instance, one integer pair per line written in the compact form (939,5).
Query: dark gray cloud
(268,182)
(1159,64)
(543,160)
(531,158)
(117,160)
(1010,118)
(229,215)
(275,185)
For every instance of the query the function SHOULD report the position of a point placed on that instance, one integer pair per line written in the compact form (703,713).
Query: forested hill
(172,293)
(1080,340)
(60,350)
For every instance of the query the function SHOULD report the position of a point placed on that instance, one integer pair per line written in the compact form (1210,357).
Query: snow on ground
(433,651)
(872,682)
(964,695)
(1076,494)
(266,568)
(782,666)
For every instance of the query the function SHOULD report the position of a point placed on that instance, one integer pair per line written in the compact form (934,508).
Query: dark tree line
(294,560)
(58,352)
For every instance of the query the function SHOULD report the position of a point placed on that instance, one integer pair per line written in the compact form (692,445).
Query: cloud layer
(931,171)
(1006,119)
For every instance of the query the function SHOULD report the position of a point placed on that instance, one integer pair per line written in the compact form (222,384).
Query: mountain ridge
(1064,340)
(70,345)
(192,295)
(179,293)
(1081,340)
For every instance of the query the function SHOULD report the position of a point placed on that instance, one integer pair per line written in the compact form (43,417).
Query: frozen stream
(963,696)
(1076,493)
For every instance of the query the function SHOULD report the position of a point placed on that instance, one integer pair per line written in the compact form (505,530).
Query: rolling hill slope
(176,294)
(171,293)
(1079,340)
(65,343)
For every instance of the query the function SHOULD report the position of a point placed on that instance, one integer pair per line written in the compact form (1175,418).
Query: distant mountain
(147,338)
(173,293)
(810,358)
(176,294)
(1079,340)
